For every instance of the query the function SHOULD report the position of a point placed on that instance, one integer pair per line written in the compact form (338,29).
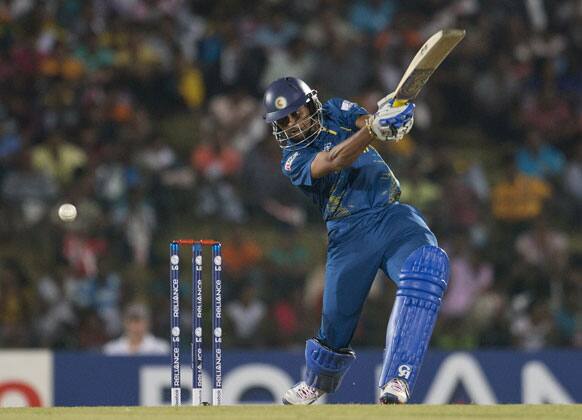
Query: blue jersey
(368,183)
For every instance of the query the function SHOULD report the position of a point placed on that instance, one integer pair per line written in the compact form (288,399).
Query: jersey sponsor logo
(327,147)
(290,160)
(346,105)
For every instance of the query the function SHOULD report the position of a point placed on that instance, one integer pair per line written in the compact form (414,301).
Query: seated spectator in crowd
(26,193)
(295,60)
(247,315)
(549,113)
(90,331)
(58,314)
(543,247)
(286,318)
(58,158)
(137,338)
(532,324)
(539,159)
(372,16)
(276,32)
(17,302)
(242,254)
(191,84)
(10,142)
(81,250)
(518,197)
(217,162)
(470,275)
(573,175)
(567,311)
(287,262)
(137,220)
(418,190)
(272,195)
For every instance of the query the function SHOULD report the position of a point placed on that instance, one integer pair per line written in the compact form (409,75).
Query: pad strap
(326,367)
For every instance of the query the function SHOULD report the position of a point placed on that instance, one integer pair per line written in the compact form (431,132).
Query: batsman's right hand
(391,124)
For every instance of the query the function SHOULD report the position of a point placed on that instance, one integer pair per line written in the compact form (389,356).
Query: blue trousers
(359,246)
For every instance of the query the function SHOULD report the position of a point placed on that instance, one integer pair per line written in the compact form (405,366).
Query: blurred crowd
(147,115)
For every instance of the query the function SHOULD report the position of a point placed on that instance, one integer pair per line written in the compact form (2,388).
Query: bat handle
(386,99)
(399,102)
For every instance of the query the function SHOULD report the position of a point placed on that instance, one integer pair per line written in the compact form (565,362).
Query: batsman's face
(297,124)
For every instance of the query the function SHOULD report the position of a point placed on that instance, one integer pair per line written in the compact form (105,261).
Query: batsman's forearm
(345,153)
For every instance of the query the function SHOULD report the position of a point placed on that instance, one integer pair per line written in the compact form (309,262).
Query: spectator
(326,26)
(58,159)
(372,16)
(538,159)
(91,333)
(470,276)
(573,175)
(137,220)
(531,325)
(517,197)
(275,31)
(242,255)
(286,325)
(137,338)
(82,251)
(295,59)
(544,248)
(217,162)
(247,315)
(549,113)
(288,262)
(17,303)
(340,73)
(490,318)
(27,193)
(191,84)
(270,196)
(58,316)
(567,308)
(10,142)
(419,190)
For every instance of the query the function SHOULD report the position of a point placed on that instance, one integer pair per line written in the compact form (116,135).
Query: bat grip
(399,102)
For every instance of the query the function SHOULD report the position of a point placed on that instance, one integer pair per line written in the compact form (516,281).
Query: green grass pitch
(316,412)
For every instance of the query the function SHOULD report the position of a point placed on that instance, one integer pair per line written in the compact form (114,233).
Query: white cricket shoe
(395,392)
(302,394)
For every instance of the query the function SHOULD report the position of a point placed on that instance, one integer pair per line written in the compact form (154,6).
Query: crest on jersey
(347,105)
(280,102)
(290,160)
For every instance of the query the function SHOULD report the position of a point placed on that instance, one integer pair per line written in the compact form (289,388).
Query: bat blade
(425,62)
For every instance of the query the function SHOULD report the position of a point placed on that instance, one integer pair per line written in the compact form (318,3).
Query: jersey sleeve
(297,167)
(345,112)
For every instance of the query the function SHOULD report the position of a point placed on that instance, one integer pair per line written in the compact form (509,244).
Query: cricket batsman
(326,153)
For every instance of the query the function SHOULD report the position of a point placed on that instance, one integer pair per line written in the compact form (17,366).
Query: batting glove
(391,124)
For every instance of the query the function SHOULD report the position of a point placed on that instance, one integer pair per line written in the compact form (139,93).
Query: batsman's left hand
(391,124)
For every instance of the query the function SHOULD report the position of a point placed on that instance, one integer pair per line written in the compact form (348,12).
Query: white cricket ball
(67,212)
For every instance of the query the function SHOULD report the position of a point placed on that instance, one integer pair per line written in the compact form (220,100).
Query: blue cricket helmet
(287,95)
(284,96)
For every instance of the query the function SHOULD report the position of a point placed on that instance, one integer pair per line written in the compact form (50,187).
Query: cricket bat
(423,65)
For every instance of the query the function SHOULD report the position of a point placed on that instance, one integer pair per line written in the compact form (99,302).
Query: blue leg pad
(422,283)
(326,367)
